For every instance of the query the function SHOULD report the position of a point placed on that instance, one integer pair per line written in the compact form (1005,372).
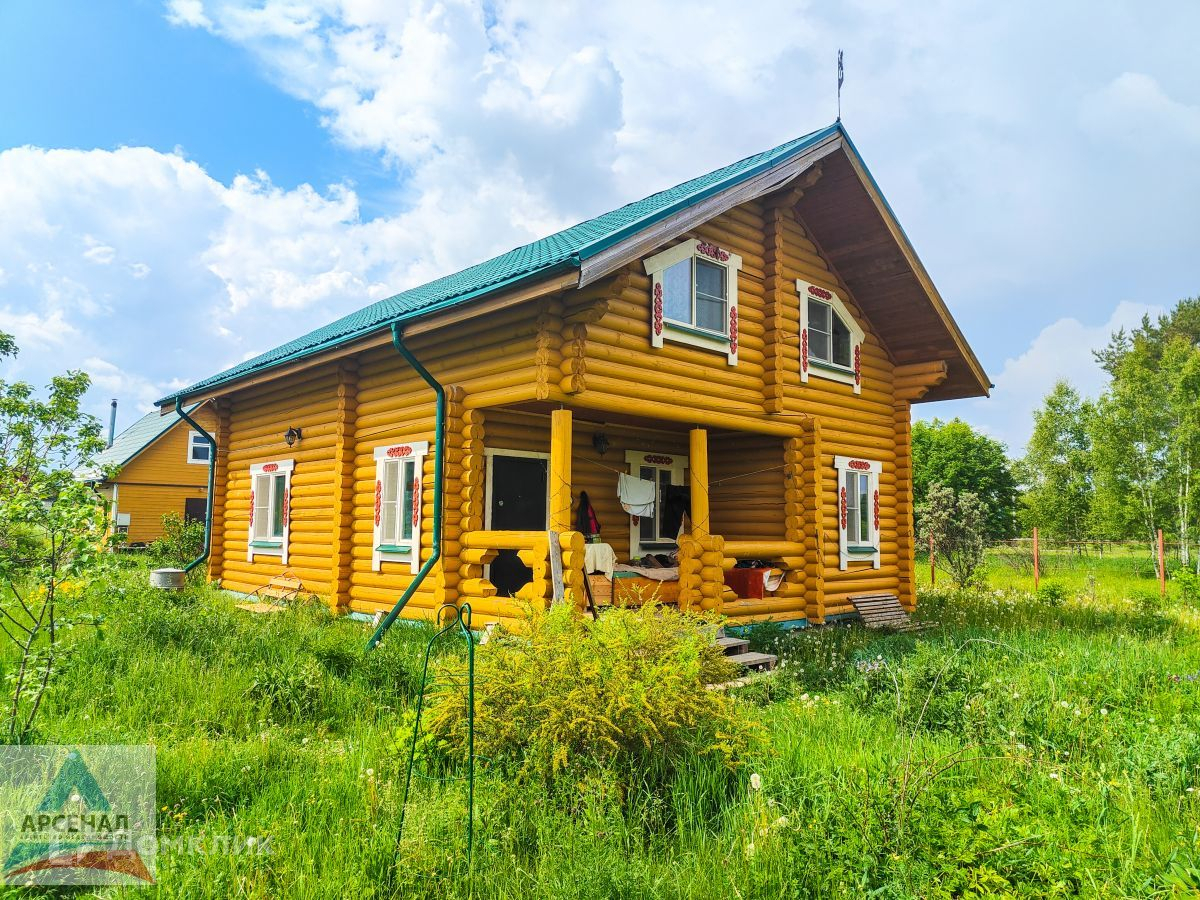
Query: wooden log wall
(216,556)
(259,416)
(590,349)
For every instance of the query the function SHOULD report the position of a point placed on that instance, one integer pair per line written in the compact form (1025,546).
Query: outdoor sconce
(600,442)
(292,435)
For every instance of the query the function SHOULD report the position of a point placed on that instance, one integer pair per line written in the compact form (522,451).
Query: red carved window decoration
(252,512)
(271,467)
(378,499)
(399,451)
(287,498)
(820,292)
(733,329)
(804,349)
(857,364)
(861,465)
(658,308)
(654,460)
(712,251)
(844,511)
(877,513)
(416,504)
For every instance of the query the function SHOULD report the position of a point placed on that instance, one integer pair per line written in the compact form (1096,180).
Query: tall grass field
(1022,745)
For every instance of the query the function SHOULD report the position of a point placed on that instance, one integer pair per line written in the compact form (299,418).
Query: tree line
(1118,467)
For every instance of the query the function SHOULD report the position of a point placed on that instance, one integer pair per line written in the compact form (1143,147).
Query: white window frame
(196,439)
(677,465)
(664,329)
(271,546)
(398,455)
(864,549)
(852,374)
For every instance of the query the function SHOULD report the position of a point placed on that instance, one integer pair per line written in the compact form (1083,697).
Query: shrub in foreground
(569,700)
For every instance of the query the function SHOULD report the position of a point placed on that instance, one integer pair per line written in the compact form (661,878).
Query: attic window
(693,297)
(830,338)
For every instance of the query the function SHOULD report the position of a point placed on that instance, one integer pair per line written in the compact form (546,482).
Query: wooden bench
(273,596)
(882,611)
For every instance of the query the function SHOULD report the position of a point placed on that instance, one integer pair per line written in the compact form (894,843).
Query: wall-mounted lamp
(292,435)
(600,442)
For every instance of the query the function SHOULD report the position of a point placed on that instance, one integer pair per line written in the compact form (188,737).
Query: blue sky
(191,182)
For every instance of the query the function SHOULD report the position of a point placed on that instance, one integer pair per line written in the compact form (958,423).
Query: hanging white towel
(636,495)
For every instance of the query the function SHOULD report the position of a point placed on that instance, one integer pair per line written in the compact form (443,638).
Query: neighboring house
(757,334)
(162,468)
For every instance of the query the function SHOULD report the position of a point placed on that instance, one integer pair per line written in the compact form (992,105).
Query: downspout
(212,482)
(439,436)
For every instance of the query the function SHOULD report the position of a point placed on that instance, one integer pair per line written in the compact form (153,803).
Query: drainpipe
(212,480)
(439,435)
(112,424)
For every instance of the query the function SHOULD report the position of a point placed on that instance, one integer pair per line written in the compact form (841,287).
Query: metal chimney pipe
(112,424)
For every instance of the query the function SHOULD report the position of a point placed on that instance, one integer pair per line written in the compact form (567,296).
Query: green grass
(1020,747)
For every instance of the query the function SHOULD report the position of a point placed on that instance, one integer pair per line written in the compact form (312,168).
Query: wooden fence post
(1162,567)
(932,567)
(1037,562)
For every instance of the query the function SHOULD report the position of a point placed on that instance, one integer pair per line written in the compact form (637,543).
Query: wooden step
(732,645)
(882,611)
(755,662)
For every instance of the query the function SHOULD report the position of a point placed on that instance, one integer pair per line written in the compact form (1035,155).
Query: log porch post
(698,482)
(560,471)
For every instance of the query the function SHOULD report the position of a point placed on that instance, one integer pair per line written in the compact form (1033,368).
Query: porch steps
(738,651)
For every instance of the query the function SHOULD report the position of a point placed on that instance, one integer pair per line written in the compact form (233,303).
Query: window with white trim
(651,534)
(399,477)
(858,510)
(830,338)
(270,509)
(694,297)
(199,450)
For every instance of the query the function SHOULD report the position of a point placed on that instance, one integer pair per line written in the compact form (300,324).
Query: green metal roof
(133,440)
(558,252)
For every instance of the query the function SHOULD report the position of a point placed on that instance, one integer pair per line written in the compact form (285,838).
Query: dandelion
(1055,776)
(755,781)
(1103,711)
(1064,704)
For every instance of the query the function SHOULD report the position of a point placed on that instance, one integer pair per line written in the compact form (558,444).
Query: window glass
(199,448)
(818,330)
(841,342)
(864,508)
(664,482)
(405,511)
(710,296)
(677,292)
(387,502)
(852,519)
(262,506)
(278,496)
(647,524)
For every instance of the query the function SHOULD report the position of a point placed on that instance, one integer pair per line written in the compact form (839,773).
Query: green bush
(598,706)
(181,541)
(1052,594)
(1189,584)
(287,692)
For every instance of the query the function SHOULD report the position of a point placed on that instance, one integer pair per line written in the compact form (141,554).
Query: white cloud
(1135,109)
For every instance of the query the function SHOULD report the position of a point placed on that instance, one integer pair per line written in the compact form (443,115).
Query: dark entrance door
(194,509)
(519,501)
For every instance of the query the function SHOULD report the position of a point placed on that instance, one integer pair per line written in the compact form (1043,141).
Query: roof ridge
(561,250)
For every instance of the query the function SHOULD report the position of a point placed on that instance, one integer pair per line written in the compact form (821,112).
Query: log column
(216,556)
(814,535)
(342,533)
(905,533)
(560,471)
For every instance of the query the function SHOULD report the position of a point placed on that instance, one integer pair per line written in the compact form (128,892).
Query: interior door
(519,503)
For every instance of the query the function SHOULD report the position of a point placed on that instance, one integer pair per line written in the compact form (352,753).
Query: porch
(522,471)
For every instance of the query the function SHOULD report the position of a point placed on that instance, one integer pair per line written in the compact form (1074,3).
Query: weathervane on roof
(841,78)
